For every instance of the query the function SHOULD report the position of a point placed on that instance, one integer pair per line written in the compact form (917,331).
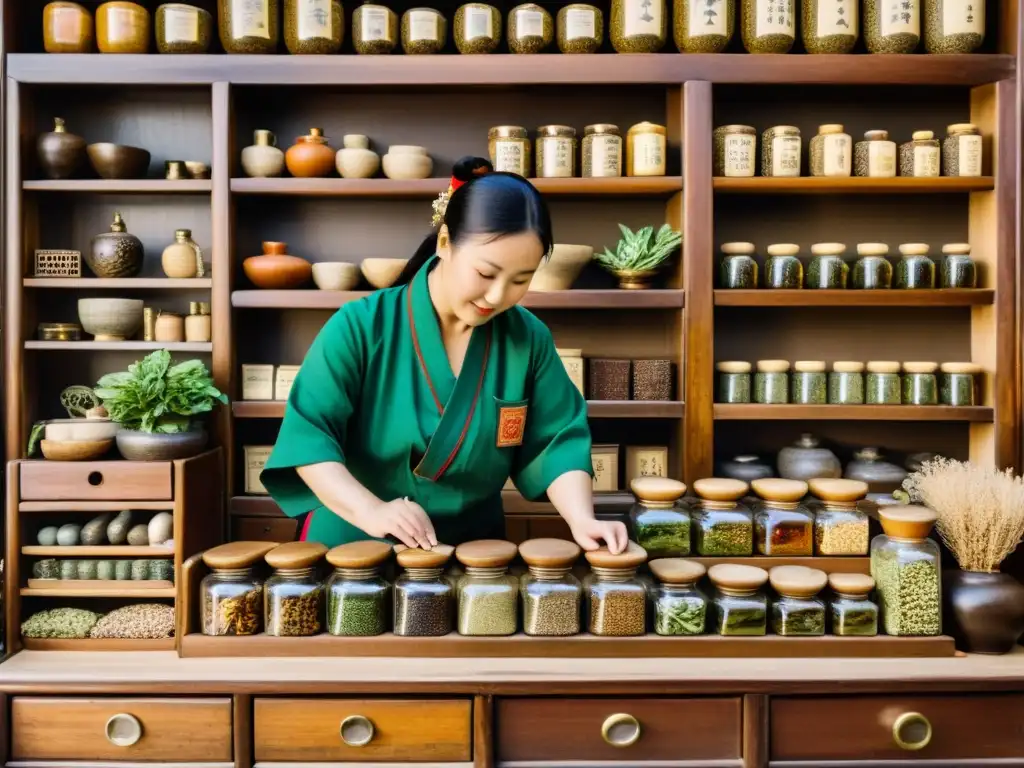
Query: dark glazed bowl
(116,161)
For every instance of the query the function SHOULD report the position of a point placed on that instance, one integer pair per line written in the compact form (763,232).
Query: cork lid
(838,490)
(779,489)
(961,128)
(773,366)
(486,553)
(964,248)
(825,249)
(920,367)
(676,570)
(848,366)
(737,248)
(733,366)
(359,554)
(972,368)
(657,489)
(914,249)
(872,249)
(883,366)
(922,135)
(295,554)
(831,128)
(876,134)
(797,580)
(720,488)
(736,128)
(632,556)
(783,249)
(809,366)
(414,557)
(735,576)
(907,522)
(851,583)
(554,130)
(549,553)
(237,554)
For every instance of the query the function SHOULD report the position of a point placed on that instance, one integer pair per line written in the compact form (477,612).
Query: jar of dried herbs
(580,28)
(808,384)
(232,593)
(556,151)
(959,383)
(488,594)
(530,28)
(552,596)
(660,522)
(840,528)
(639,26)
(616,597)
(313,26)
(771,382)
(741,608)
(249,26)
(733,381)
(703,26)
(846,383)
(920,156)
(782,268)
(905,565)
(872,270)
(735,151)
(853,614)
(827,268)
(424,596)
(954,26)
(783,527)
(182,28)
(679,607)
(920,386)
(374,29)
(798,611)
(424,31)
(509,148)
(958,268)
(875,156)
(915,269)
(738,268)
(829,26)
(477,28)
(294,594)
(882,385)
(357,594)
(645,150)
(769,26)
(892,26)
(602,151)
(781,151)
(722,526)
(962,150)
(831,151)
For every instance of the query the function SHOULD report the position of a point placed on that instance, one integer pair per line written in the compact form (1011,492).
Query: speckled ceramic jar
(882,385)
(919,157)
(827,268)
(846,383)
(738,268)
(875,156)
(733,381)
(580,28)
(608,379)
(808,384)
(962,150)
(959,383)
(771,382)
(885,32)
(872,270)
(920,386)
(958,268)
(781,151)
(735,151)
(829,26)
(915,269)
(831,151)
(782,268)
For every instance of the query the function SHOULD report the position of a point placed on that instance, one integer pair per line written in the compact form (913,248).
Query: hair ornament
(441,203)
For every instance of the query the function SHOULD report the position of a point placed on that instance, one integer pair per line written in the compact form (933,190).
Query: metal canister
(148,324)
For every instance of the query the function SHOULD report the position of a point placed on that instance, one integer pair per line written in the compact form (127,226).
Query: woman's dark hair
(490,203)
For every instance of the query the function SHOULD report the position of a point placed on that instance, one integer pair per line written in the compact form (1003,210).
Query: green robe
(376,392)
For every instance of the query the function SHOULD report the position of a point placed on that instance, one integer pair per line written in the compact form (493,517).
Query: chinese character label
(926,161)
(970,155)
(579,23)
(643,17)
(478,23)
(786,156)
(837,17)
(251,19)
(707,17)
(881,158)
(181,25)
(509,157)
(422,25)
(314,19)
(901,17)
(775,17)
(739,155)
(963,17)
(529,23)
(837,151)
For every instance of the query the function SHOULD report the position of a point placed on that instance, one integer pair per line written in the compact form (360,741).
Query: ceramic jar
(831,151)
(275,269)
(355,160)
(249,26)
(646,150)
(806,459)
(745,467)
(880,476)
(962,150)
(958,268)
(920,156)
(67,28)
(122,27)
(310,156)
(263,159)
(872,270)
(198,323)
(169,327)
(115,253)
(61,154)
(875,156)
(182,258)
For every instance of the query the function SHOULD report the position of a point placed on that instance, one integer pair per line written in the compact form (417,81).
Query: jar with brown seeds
(249,26)
(962,150)
(875,156)
(477,28)
(639,26)
(829,26)
(556,151)
(601,155)
(831,151)
(616,597)
(313,26)
(530,29)
(781,151)
(509,148)
(374,29)
(735,151)
(954,26)
(892,26)
(580,28)
(703,26)
(182,28)
(769,26)
(424,31)
(551,594)
(920,156)
(840,527)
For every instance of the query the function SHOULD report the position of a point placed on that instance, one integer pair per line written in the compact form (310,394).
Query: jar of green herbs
(423,595)
(906,567)
(959,383)
(659,521)
(357,594)
(872,270)
(808,384)
(829,26)
(852,612)
(920,386)
(740,605)
(616,597)
(882,384)
(783,268)
(722,527)
(551,595)
(680,608)
(892,26)
(703,26)
(783,525)
(840,526)
(249,26)
(771,382)
(738,268)
(846,383)
(875,156)
(958,268)
(488,595)
(768,26)
(915,269)
(733,381)
(294,594)
(827,268)
(798,611)
(580,28)
(639,26)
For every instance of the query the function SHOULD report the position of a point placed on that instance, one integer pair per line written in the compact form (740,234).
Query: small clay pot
(61,154)
(67,28)
(263,159)
(276,270)
(122,27)
(310,156)
(116,253)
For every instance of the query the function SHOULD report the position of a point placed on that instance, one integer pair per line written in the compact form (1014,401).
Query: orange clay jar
(310,156)
(275,269)
(67,28)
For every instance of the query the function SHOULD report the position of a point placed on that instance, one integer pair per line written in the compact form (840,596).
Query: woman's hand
(589,533)
(406,520)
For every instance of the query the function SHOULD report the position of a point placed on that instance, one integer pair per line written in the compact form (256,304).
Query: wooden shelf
(893,297)
(571,299)
(143,592)
(96,644)
(604,409)
(758,412)
(337,187)
(120,283)
(106,550)
(94,506)
(820,185)
(122,186)
(822,563)
(119,346)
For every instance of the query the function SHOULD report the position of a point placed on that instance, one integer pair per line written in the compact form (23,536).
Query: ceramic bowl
(117,161)
(407,165)
(63,430)
(561,268)
(75,450)
(197,169)
(382,273)
(336,275)
(146,446)
(110,319)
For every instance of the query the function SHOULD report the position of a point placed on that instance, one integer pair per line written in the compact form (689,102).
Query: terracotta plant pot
(310,156)
(275,269)
(984,611)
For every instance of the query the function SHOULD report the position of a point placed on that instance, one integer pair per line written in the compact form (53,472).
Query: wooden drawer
(377,730)
(280,529)
(96,480)
(130,729)
(866,727)
(575,729)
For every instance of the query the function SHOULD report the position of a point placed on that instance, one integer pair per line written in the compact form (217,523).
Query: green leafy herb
(642,250)
(155,396)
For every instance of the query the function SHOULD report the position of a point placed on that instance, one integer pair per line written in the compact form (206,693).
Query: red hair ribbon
(456,183)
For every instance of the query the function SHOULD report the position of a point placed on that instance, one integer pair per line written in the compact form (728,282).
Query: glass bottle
(852,613)
(808,384)
(875,156)
(958,268)
(477,28)
(249,26)
(660,522)
(882,384)
(781,151)
(679,607)
(959,383)
(885,32)
(954,26)
(602,151)
(831,151)
(771,382)
(846,383)
(487,592)
(733,381)
(920,156)
(920,387)
(798,611)
(840,527)
(529,28)
(782,268)
(639,26)
(783,527)
(551,595)
(915,269)
(182,28)
(374,29)
(232,593)
(294,595)
(872,270)
(357,594)
(424,596)
(827,269)
(313,26)
(962,149)
(721,525)
(616,596)
(905,565)
(739,269)
(740,607)
(698,28)
(735,149)
(828,26)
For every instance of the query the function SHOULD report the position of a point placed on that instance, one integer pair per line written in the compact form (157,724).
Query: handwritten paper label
(739,155)
(837,17)
(786,156)
(970,155)
(775,17)
(836,155)
(574,367)
(509,156)
(643,17)
(707,17)
(926,161)
(181,25)
(478,23)
(882,158)
(963,17)
(558,157)
(314,19)
(422,25)
(580,23)
(375,23)
(899,17)
(529,23)
(606,156)
(250,18)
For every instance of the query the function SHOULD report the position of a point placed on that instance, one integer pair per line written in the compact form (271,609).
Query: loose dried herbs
(356,609)
(860,619)
(679,614)
(742,621)
(423,608)
(808,620)
(234,612)
(726,538)
(293,610)
(663,535)
(551,609)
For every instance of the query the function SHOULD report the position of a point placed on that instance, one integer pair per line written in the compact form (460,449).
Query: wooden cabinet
(96,480)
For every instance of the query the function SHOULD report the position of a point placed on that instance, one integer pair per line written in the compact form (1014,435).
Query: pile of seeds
(66,623)
(575,19)
(617,610)
(423,609)
(551,609)
(846,537)
(725,538)
(908,593)
(140,621)
(487,609)
(356,608)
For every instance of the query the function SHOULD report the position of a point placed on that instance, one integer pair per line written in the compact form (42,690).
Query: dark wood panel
(840,299)
(754,411)
(430,188)
(120,186)
(571,299)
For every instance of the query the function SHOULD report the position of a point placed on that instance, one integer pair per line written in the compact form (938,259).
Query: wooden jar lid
(872,249)
(359,554)
(920,367)
(848,366)
(737,248)
(971,368)
(735,576)
(486,553)
(783,249)
(964,248)
(295,554)
(676,570)
(828,249)
(733,366)
(237,554)
(773,366)
(657,489)
(851,583)
(720,488)
(797,580)
(549,553)
(632,556)
(836,489)
(883,366)
(414,557)
(779,489)
(907,522)
(915,249)
(809,366)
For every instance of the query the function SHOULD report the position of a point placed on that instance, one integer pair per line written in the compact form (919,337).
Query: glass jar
(477,28)
(920,386)
(741,608)
(679,607)
(920,156)
(700,27)
(780,151)
(602,151)
(846,383)
(616,596)
(768,26)
(892,26)
(182,28)
(249,26)
(487,593)
(313,26)
(660,523)
(645,150)
(782,268)
(509,148)
(722,527)
(783,527)
(293,602)
(424,31)
(954,26)
(827,269)
(959,383)
(872,271)
(580,28)
(738,269)
(882,385)
(831,151)
(530,28)
(735,150)
(639,26)
(829,26)
(915,269)
(798,611)
(771,382)
(875,156)
(424,597)
(374,29)
(357,594)
(905,565)
(556,151)
(840,527)
(733,381)
(962,149)
(232,593)
(958,268)
(551,594)
(808,384)
(852,613)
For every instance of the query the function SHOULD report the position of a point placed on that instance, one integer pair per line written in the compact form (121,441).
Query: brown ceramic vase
(310,156)
(984,611)
(61,154)
(276,270)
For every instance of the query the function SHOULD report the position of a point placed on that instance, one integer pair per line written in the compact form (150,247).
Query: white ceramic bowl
(110,319)
(406,166)
(382,273)
(336,275)
(68,430)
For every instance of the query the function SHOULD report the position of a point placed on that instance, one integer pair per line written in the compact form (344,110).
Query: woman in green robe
(416,403)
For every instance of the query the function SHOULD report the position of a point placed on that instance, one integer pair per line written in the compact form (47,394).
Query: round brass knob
(123,730)
(620,730)
(356,730)
(912,731)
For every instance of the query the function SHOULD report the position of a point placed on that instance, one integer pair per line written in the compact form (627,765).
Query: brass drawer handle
(912,731)
(123,730)
(620,730)
(356,731)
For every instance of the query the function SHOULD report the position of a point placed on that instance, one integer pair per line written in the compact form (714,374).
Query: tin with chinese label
(556,151)
(645,150)
(703,26)
(831,151)
(892,26)
(509,148)
(954,26)
(875,156)
(602,150)
(780,151)
(735,151)
(639,26)
(920,156)
(768,26)
(962,150)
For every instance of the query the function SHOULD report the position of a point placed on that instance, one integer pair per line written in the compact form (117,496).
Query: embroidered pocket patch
(511,425)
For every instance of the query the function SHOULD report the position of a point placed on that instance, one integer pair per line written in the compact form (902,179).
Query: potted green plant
(639,255)
(159,407)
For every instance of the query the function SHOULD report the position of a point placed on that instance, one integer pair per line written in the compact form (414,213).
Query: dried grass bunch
(980,510)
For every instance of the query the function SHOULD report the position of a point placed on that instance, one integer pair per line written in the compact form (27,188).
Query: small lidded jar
(488,595)
(580,28)
(920,386)
(882,385)
(552,596)
(840,527)
(722,526)
(920,156)
(530,28)
(958,268)
(827,268)
(771,382)
(232,593)
(556,152)
(602,151)
(959,383)
(424,31)
(735,154)
(616,596)
(783,527)
(313,27)
(510,150)
(639,26)
(961,149)
(905,565)
(768,26)
(953,26)
(916,269)
(700,27)
(831,151)
(739,268)
(645,150)
(733,381)
(477,28)
(889,29)
(780,151)
(293,602)
(680,608)
(374,29)
(846,383)
(798,611)
(783,268)
(808,384)
(852,612)
(741,608)
(357,594)
(873,270)
(875,156)
(829,26)
(660,522)
(424,597)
